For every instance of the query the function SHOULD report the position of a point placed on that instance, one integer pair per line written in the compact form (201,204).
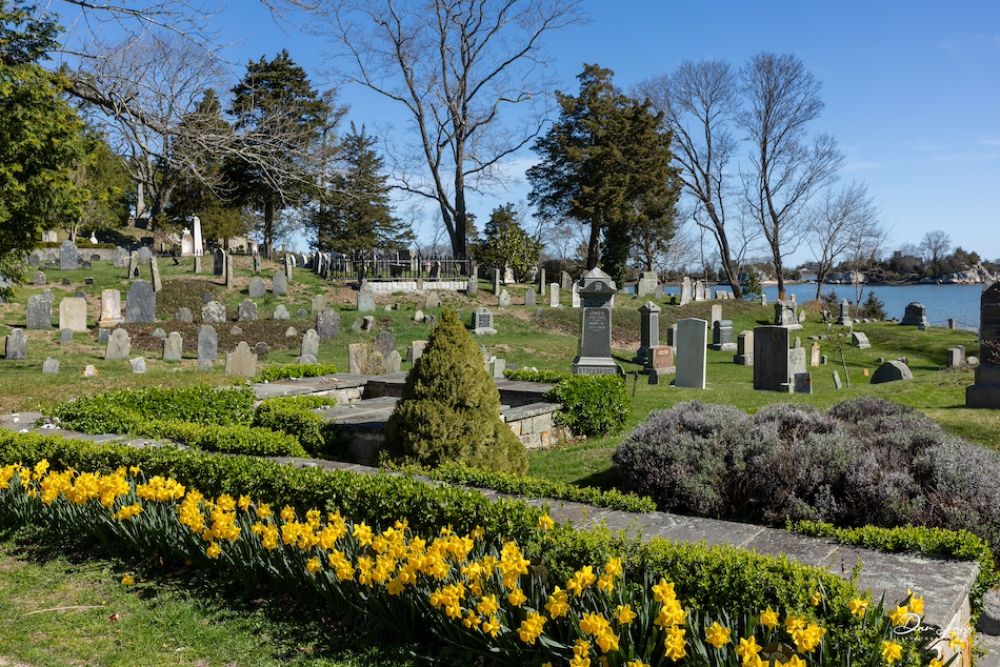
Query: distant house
(808,275)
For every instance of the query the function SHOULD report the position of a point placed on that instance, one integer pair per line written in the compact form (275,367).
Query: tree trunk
(779,270)
(593,247)
(268,227)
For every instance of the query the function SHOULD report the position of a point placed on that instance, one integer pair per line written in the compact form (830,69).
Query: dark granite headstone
(649,330)
(985,393)
(915,315)
(219,262)
(594,355)
(16,347)
(770,358)
(69,258)
(140,306)
(891,371)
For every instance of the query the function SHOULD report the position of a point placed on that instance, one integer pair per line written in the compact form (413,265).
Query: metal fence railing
(336,266)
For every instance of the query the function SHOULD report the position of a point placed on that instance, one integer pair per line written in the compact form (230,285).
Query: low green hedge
(534,487)
(939,542)
(592,404)
(709,577)
(200,404)
(294,416)
(273,373)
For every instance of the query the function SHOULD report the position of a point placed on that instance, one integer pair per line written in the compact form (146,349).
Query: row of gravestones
(140,307)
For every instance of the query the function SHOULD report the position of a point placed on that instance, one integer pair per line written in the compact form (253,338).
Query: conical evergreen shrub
(450,408)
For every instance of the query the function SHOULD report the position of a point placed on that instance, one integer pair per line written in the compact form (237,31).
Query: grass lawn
(540,337)
(61,610)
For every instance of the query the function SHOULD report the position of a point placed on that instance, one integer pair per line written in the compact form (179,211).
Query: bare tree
(785,169)
(934,246)
(834,227)
(867,243)
(456,67)
(699,102)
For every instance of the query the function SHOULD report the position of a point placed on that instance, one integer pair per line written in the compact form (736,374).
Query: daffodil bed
(466,590)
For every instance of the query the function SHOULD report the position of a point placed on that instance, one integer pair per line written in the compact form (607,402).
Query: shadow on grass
(293,622)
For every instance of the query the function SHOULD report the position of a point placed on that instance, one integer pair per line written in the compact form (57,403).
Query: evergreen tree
(450,408)
(505,243)
(40,137)
(106,186)
(276,100)
(606,163)
(356,215)
(207,195)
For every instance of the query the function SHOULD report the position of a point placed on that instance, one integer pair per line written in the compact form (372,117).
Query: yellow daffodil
(625,614)
(545,522)
(891,652)
(128,580)
(769,618)
(858,607)
(900,616)
(717,635)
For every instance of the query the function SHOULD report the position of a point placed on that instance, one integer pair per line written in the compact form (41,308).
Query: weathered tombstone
(367,323)
(236,330)
(985,393)
(891,371)
(197,263)
(317,304)
(860,340)
(213,312)
(432,301)
(119,346)
(219,262)
(140,305)
(133,265)
(262,349)
(503,301)
(844,314)
(103,335)
(529,297)
(50,366)
(660,362)
(691,357)
(241,361)
(111,308)
(418,316)
(366,298)
(836,380)
(247,311)
(173,346)
(554,295)
(565,281)
(208,343)
(154,271)
(40,311)
(803,383)
(255,266)
(744,349)
(956,357)
(716,314)
(73,314)
(328,324)
(310,344)
(289,264)
(648,282)
(541,280)
(796,363)
(364,359)
(482,322)
(771,358)
(184,315)
(279,284)
(16,346)
(39,278)
(699,290)
(281,313)
(685,291)
(814,355)
(119,259)
(145,253)
(722,336)
(915,316)
(138,365)
(256,289)
(594,352)
(499,366)
(649,331)
(65,336)
(68,256)
(393,362)
(785,316)
(417,348)
(496,282)
(574,295)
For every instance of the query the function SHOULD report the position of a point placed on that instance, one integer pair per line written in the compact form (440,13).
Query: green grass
(61,610)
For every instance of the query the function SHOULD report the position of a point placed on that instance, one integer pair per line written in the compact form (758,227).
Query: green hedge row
(710,577)
(200,404)
(275,372)
(592,404)
(939,542)
(294,416)
(534,487)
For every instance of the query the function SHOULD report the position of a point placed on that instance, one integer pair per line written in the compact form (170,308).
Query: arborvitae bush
(450,408)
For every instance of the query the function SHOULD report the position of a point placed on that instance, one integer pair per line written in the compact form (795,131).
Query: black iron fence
(335,266)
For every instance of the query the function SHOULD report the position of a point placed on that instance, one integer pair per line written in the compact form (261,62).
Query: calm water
(959,302)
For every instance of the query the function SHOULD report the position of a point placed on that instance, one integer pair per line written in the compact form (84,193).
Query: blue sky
(911,88)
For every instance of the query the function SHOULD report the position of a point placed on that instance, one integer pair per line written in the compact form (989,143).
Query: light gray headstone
(744,349)
(103,335)
(279,284)
(89,371)
(310,344)
(50,366)
(504,299)
(291,332)
(432,300)
(860,340)
(173,347)
(691,358)
(242,361)
(328,324)
(236,330)
(154,272)
(256,289)
(184,315)
(385,342)
(418,315)
(393,362)
(499,366)
(716,314)
(529,297)
(39,279)
(482,322)
(16,346)
(649,330)
(213,312)
(119,346)
(417,348)
(145,253)
(111,308)
(317,304)
(247,312)
(68,256)
(836,380)
(65,336)
(281,312)
(40,311)
(366,298)
(73,314)
(159,333)
(208,343)
(140,305)
(138,365)
(554,295)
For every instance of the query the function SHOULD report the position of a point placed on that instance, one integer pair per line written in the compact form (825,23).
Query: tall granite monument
(594,356)
(985,393)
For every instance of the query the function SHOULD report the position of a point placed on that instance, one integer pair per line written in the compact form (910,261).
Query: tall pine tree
(276,100)
(606,163)
(356,215)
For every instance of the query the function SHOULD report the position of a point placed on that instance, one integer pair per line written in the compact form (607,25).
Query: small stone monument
(722,336)
(554,295)
(366,298)
(814,355)
(328,324)
(716,314)
(173,347)
(39,279)
(482,322)
(915,315)
(649,331)
(529,296)
(208,343)
(891,371)
(503,301)
(69,258)
(860,340)
(648,283)
(247,311)
(771,369)
(140,305)
(184,315)
(279,284)
(154,272)
(242,361)
(73,314)
(40,311)
(785,315)
(281,313)
(219,262)
(844,314)
(138,365)
(50,366)
(119,346)
(111,308)
(594,353)
(744,349)
(417,348)
(16,345)
(213,312)
(685,291)
(256,289)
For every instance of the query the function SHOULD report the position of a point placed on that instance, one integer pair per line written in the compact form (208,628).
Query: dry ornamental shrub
(450,408)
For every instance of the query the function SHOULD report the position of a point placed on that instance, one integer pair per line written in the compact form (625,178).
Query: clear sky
(912,89)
